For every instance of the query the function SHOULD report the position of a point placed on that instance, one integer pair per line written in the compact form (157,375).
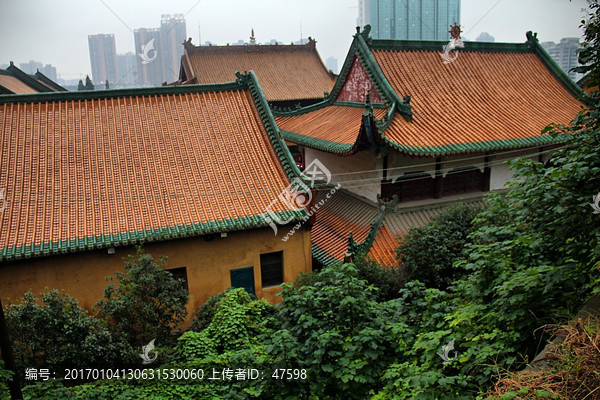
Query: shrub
(57,333)
(427,253)
(149,303)
(205,314)
(388,280)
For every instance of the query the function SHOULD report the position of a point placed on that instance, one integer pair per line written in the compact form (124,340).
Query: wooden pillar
(439,179)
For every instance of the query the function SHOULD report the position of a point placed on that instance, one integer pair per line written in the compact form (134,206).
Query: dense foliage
(56,333)
(148,303)
(427,253)
(338,332)
(206,312)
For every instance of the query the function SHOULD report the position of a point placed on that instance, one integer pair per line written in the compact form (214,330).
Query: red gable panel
(356,85)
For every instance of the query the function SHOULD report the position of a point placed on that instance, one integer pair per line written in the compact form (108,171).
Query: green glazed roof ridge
(378,77)
(437,45)
(301,110)
(556,70)
(26,78)
(71,245)
(49,81)
(283,152)
(319,144)
(488,145)
(119,93)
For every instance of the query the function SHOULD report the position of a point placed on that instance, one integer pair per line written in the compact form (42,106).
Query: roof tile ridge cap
(365,56)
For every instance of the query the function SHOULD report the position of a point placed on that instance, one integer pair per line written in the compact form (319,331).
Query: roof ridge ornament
(188,44)
(365,33)
(243,79)
(532,39)
(455,31)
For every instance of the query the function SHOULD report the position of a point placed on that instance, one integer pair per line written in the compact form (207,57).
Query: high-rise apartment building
(159,50)
(32,67)
(409,19)
(103,58)
(148,62)
(127,64)
(172,34)
(564,54)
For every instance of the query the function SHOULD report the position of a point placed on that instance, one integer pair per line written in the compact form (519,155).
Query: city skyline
(332,24)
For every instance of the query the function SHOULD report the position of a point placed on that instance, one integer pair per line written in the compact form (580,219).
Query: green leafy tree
(205,314)
(88,83)
(56,333)
(531,260)
(427,253)
(148,303)
(338,332)
(80,86)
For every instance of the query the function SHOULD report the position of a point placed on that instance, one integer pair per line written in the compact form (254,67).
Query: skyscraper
(149,64)
(33,66)
(127,64)
(159,50)
(103,57)
(172,36)
(409,19)
(564,54)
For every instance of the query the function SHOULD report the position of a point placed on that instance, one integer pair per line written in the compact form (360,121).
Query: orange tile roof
(337,124)
(383,248)
(285,72)
(341,214)
(480,97)
(494,96)
(15,81)
(124,166)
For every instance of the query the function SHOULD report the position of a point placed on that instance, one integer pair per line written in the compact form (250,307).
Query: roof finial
(252,38)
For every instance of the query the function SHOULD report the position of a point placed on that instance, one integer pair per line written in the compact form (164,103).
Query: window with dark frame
(181,275)
(271,268)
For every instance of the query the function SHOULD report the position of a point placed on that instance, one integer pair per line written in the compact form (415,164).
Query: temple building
(425,126)
(187,171)
(289,75)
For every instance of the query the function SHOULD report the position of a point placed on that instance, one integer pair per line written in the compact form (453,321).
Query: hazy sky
(55,31)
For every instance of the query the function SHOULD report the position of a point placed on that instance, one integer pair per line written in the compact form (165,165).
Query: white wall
(500,174)
(342,169)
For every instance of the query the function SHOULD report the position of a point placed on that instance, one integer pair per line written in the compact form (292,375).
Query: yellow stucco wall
(208,263)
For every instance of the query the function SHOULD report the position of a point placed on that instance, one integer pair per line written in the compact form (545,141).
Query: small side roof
(494,96)
(84,170)
(348,223)
(285,72)
(15,81)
